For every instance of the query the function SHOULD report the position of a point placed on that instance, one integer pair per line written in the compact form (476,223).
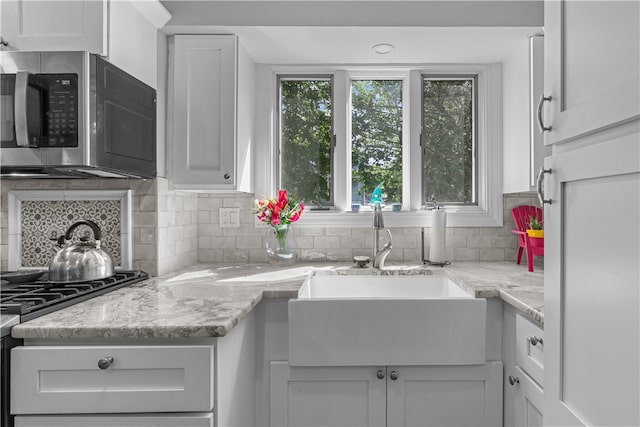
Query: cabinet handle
(534,340)
(105,362)
(227,176)
(514,380)
(380,374)
(3,42)
(541,125)
(540,180)
(393,375)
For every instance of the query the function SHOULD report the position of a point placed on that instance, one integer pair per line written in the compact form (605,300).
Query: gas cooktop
(37,298)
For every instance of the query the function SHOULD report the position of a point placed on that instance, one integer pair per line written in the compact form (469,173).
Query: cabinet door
(445,396)
(592,61)
(203,100)
(529,401)
(523,142)
(324,397)
(145,420)
(592,321)
(55,25)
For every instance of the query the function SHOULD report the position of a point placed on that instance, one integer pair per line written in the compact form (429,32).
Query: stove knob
(105,362)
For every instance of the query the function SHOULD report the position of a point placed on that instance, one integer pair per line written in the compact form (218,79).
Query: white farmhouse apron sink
(385,320)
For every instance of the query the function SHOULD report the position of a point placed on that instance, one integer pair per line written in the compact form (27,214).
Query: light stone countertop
(208,300)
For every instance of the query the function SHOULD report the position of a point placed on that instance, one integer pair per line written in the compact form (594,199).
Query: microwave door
(21,110)
(12,153)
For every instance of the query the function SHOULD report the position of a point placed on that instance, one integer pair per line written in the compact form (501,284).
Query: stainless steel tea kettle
(83,261)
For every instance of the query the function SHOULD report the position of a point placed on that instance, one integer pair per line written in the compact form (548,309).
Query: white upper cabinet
(592,52)
(124,32)
(523,145)
(203,100)
(55,25)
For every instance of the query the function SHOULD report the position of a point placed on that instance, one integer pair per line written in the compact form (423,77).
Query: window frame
(278,142)
(487,212)
(474,130)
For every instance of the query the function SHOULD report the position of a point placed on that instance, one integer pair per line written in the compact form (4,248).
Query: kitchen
(174,221)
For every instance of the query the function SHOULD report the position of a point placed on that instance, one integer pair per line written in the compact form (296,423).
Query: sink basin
(371,287)
(385,320)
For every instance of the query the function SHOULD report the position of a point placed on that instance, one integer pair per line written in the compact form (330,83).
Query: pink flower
(278,211)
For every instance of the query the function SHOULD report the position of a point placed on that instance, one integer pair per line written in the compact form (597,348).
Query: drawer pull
(105,362)
(534,340)
(514,380)
(393,375)
(380,374)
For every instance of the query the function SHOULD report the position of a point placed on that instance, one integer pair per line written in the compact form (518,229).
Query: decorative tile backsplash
(42,220)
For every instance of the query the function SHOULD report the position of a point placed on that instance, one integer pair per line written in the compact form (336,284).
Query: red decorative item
(533,245)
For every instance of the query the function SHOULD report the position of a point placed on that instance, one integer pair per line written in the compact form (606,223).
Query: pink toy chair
(533,245)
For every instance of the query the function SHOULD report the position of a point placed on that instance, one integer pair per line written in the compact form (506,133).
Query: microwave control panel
(60,110)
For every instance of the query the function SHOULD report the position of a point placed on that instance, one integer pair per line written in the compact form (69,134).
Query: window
(338,132)
(376,139)
(448,140)
(306,139)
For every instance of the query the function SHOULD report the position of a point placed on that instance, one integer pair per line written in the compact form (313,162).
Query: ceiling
(275,32)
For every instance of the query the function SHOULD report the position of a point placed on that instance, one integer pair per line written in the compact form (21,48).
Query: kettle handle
(97,234)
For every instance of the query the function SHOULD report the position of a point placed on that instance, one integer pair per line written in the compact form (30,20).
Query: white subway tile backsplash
(303,242)
(313,255)
(492,254)
(339,254)
(172,229)
(466,254)
(504,241)
(401,241)
(209,204)
(248,242)
(456,241)
(235,255)
(327,242)
(478,241)
(210,255)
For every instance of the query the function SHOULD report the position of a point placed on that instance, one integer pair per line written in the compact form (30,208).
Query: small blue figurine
(376,196)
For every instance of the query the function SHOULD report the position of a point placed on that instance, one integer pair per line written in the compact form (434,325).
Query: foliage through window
(376,139)
(306,139)
(448,140)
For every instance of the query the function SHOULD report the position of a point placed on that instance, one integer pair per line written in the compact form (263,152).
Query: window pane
(305,140)
(448,163)
(376,139)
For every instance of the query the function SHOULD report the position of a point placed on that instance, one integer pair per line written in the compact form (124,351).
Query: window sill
(467,216)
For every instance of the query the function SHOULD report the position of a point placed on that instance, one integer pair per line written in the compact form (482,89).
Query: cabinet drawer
(530,348)
(144,420)
(48,380)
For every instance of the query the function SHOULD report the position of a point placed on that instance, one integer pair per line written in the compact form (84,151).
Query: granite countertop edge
(208,300)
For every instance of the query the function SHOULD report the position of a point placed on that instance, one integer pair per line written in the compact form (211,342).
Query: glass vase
(281,246)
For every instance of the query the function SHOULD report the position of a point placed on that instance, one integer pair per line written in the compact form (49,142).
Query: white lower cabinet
(137,382)
(163,420)
(523,356)
(386,395)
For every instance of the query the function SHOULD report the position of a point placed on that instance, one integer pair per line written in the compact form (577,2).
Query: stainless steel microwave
(73,114)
